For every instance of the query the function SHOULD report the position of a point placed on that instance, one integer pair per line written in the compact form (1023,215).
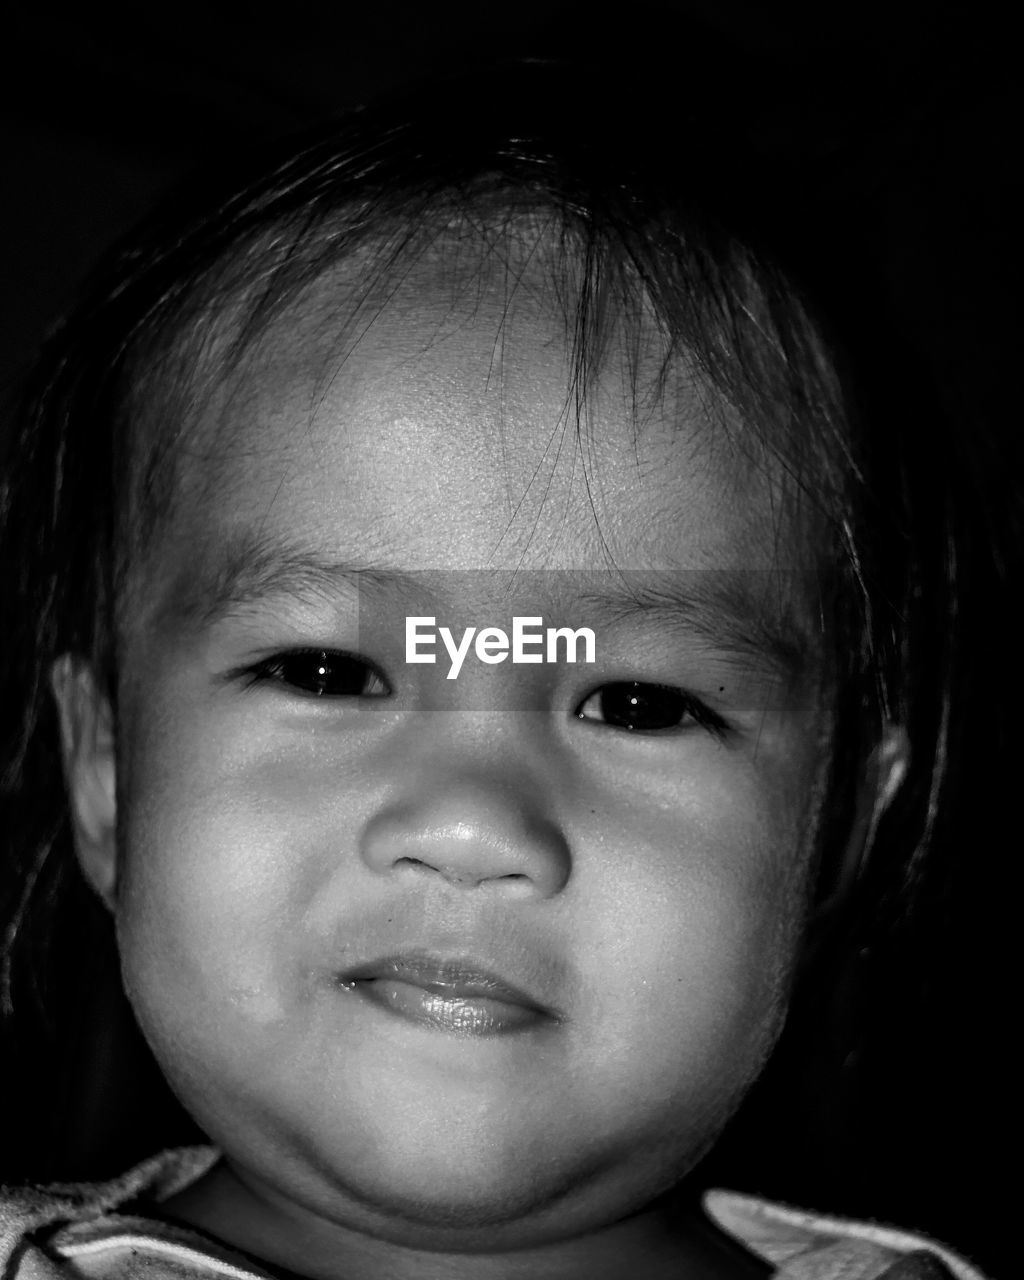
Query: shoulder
(813,1246)
(34,1220)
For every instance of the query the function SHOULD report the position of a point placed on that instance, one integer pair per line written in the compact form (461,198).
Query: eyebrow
(248,570)
(746,613)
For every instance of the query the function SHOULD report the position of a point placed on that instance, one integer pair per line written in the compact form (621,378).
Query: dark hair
(747,271)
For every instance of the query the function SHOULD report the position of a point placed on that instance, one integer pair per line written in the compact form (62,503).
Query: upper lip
(459,978)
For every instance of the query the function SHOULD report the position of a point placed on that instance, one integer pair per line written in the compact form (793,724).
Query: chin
(458,1210)
(475,1197)
(458,1190)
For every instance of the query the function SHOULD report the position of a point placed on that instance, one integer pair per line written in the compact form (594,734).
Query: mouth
(456,996)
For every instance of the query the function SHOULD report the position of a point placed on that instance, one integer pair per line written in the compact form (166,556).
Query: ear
(882,778)
(90,773)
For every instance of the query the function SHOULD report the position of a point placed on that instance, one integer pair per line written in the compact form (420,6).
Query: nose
(475,832)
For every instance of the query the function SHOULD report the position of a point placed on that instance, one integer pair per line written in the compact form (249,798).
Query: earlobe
(90,770)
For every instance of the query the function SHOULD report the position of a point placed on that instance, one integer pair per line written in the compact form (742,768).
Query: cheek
(709,964)
(223,846)
(702,924)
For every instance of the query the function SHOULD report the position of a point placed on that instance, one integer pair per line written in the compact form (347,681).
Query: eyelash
(314,677)
(635,693)
(275,670)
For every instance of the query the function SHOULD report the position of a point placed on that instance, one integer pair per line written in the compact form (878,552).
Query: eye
(321,673)
(647,708)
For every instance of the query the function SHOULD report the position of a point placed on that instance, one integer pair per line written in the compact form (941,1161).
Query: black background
(99,114)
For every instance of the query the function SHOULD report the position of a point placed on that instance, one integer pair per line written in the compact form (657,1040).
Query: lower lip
(470,1015)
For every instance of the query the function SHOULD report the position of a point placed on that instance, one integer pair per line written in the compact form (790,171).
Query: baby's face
(436,957)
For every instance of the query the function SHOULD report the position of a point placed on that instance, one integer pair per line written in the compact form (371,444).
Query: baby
(461,974)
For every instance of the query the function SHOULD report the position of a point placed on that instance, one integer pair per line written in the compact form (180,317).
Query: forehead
(464,392)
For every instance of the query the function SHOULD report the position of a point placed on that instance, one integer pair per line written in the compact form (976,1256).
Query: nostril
(455,874)
(459,875)
(413,862)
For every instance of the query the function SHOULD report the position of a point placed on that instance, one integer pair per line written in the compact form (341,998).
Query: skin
(254,841)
